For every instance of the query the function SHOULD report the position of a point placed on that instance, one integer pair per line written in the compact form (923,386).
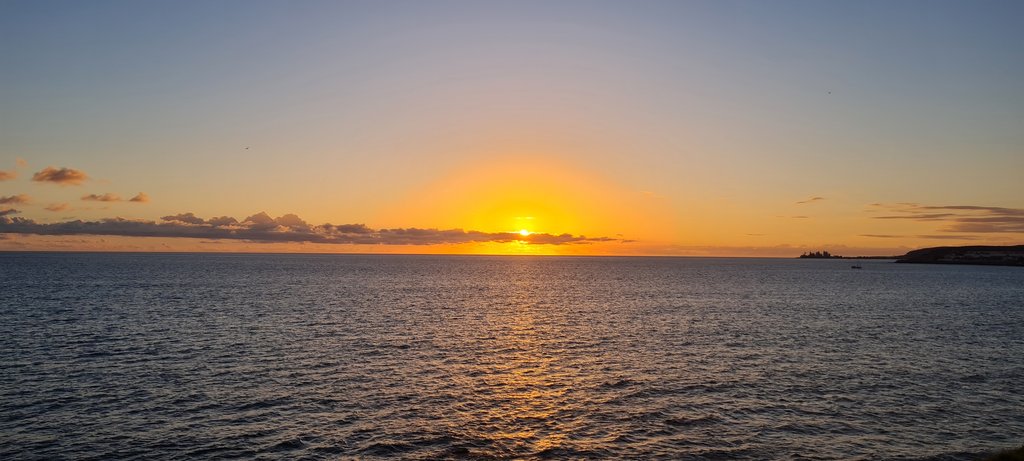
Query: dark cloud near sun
(62,176)
(958,218)
(221,221)
(186,218)
(261,227)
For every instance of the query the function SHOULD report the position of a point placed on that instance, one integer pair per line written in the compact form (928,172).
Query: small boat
(856,266)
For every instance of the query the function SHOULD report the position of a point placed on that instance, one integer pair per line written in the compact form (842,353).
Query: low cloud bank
(288,228)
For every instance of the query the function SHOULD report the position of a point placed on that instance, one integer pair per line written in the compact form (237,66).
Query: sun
(524,232)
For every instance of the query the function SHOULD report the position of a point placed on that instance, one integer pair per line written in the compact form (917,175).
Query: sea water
(198,356)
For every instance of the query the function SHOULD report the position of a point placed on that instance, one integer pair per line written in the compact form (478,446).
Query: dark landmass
(819,255)
(827,255)
(981,255)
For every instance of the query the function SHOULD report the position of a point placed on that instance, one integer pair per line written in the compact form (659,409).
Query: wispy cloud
(8,175)
(58,207)
(108,197)
(62,176)
(15,199)
(927,236)
(4,212)
(288,228)
(142,197)
(812,199)
(959,218)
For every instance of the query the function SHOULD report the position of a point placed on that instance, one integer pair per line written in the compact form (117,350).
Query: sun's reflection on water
(523,386)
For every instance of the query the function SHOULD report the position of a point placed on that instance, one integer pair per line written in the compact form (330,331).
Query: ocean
(215,356)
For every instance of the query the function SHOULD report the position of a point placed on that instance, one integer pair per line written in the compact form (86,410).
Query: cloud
(812,199)
(140,198)
(7,175)
(108,197)
(62,176)
(288,228)
(186,218)
(221,221)
(920,217)
(15,199)
(6,211)
(20,162)
(948,237)
(929,236)
(58,207)
(959,218)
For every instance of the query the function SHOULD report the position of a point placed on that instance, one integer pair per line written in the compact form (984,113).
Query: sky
(694,128)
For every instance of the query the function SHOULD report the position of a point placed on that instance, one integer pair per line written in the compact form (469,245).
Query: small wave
(626,382)
(287,445)
(387,448)
(698,421)
(261,404)
(566,453)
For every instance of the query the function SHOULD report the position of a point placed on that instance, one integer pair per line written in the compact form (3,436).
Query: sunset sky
(717,128)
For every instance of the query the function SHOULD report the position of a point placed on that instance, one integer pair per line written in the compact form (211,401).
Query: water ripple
(383,357)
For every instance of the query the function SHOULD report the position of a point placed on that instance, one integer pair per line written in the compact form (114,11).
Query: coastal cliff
(982,255)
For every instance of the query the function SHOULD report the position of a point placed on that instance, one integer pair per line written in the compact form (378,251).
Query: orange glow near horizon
(535,195)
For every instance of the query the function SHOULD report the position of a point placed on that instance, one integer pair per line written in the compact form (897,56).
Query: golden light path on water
(481,357)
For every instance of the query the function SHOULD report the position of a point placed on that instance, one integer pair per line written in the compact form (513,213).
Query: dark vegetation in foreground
(1008,455)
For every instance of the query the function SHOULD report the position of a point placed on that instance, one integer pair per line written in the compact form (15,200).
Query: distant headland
(827,255)
(980,255)
(819,255)
(1012,255)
